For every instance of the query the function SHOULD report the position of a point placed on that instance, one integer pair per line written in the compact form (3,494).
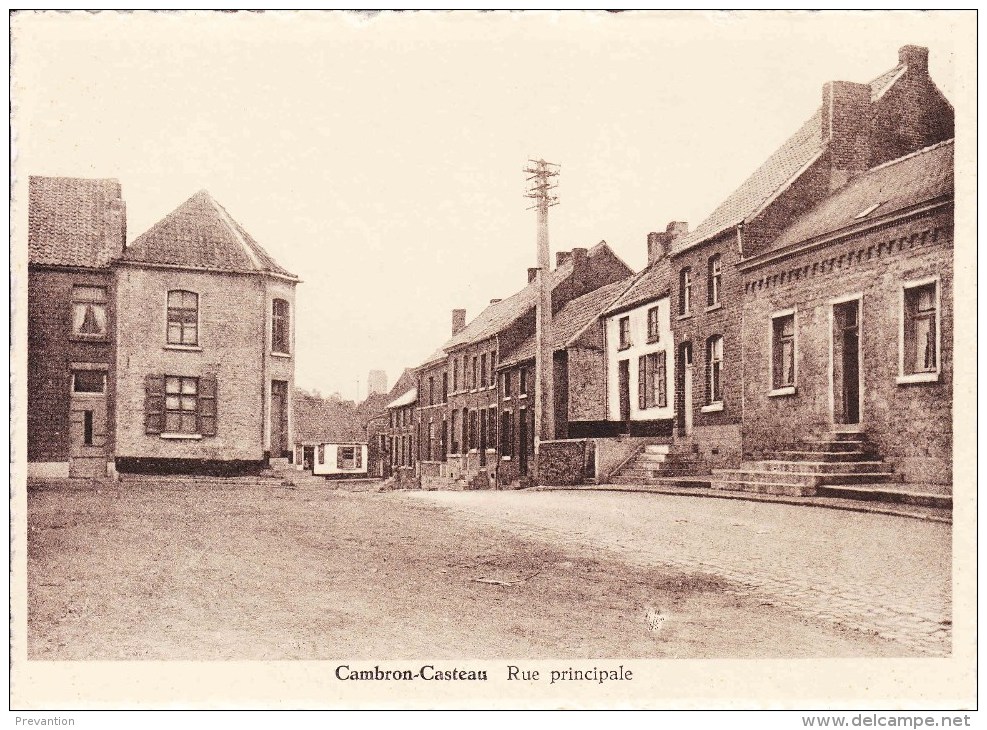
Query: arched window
(714,277)
(183,317)
(280,329)
(685,291)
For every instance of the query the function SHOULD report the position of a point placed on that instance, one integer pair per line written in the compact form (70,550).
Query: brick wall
(52,349)
(704,323)
(562,463)
(233,344)
(911,424)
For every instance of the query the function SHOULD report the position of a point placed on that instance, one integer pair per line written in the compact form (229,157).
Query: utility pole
(541,185)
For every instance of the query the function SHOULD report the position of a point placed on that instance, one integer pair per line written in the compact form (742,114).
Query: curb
(829,503)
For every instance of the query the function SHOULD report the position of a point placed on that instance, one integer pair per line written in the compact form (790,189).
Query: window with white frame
(920,329)
(714,369)
(624,333)
(280,327)
(654,324)
(652,381)
(783,350)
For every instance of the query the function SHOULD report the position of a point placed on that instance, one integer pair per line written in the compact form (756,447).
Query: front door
(308,457)
(279,418)
(846,362)
(624,389)
(87,424)
(522,438)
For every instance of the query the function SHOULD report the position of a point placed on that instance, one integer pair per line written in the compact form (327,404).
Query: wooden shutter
(207,405)
(642,382)
(154,403)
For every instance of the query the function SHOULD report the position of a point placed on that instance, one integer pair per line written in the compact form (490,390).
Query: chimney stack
(532,273)
(494,301)
(561,257)
(915,57)
(579,258)
(677,228)
(458,321)
(846,129)
(659,243)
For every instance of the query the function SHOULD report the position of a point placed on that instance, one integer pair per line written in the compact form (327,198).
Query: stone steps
(805,455)
(803,478)
(887,493)
(816,467)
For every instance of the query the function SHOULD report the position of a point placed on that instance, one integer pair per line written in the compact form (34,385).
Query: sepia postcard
(564,360)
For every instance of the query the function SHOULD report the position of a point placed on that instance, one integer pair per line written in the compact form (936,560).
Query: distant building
(376,382)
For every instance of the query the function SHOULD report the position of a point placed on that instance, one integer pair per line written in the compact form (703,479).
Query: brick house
(457,386)
(857,127)
(205,347)
(402,435)
(377,425)
(848,320)
(76,227)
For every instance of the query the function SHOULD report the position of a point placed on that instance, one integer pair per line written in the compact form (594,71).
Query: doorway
(685,368)
(522,430)
(87,424)
(624,390)
(279,418)
(846,362)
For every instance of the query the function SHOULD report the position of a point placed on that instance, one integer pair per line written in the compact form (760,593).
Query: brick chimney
(532,273)
(915,57)
(846,124)
(561,257)
(458,321)
(115,240)
(579,256)
(660,242)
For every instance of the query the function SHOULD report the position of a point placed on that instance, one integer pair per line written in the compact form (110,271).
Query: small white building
(640,350)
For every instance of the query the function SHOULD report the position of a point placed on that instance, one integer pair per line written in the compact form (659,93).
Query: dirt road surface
(170,572)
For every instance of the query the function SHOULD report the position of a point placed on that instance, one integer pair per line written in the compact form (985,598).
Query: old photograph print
(443,343)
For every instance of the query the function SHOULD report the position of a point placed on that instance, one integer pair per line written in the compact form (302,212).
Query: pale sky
(380,157)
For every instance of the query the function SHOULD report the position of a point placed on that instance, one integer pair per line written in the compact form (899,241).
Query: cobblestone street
(878,574)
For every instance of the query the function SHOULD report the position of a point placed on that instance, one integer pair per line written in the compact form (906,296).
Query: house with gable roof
(458,406)
(857,127)
(205,347)
(76,227)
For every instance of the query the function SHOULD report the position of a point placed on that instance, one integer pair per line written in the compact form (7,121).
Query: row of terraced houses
(799,338)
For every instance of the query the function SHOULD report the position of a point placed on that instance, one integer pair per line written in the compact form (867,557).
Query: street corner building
(173,354)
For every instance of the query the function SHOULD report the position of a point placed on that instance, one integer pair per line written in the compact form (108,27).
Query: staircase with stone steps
(845,458)
(664,464)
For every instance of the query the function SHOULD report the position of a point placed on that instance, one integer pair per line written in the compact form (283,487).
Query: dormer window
(183,318)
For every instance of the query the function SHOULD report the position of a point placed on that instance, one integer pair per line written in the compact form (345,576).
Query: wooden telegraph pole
(541,185)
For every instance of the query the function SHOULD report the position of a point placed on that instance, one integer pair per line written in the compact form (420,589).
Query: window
(783,351)
(465,443)
(183,318)
(713,279)
(431,390)
(445,387)
(445,440)
(349,457)
(89,311)
(624,332)
(920,331)
(508,384)
(88,381)
(176,404)
(473,431)
(181,405)
(455,374)
(280,330)
(492,426)
(522,382)
(651,381)
(493,369)
(322,453)
(483,370)
(714,366)
(654,325)
(430,447)
(685,291)
(474,379)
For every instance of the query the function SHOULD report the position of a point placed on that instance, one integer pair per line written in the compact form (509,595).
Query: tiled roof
(772,176)
(323,421)
(201,234)
(405,400)
(570,321)
(651,283)
(68,221)
(895,185)
(496,317)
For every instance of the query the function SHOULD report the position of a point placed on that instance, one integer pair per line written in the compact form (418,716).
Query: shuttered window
(176,404)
